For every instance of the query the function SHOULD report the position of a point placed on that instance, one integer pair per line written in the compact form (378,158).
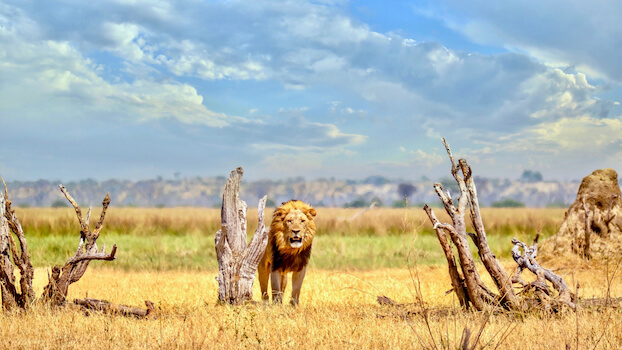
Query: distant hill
(206,192)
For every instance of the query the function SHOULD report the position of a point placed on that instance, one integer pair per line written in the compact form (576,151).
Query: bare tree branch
(83,225)
(457,281)
(93,256)
(476,291)
(526,260)
(362,211)
(75,267)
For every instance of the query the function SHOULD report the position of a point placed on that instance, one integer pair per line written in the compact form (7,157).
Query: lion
(288,250)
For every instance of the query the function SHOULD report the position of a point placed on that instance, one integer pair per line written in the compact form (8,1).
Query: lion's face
(293,226)
(296,226)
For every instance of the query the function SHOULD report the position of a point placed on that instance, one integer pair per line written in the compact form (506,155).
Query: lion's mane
(282,254)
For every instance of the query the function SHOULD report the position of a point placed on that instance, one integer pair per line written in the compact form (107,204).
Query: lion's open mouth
(295,242)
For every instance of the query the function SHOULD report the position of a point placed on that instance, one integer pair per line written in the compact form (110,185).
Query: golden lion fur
(289,245)
(279,233)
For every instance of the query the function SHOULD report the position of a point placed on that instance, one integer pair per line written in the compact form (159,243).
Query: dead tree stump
(55,293)
(468,285)
(61,278)
(237,260)
(9,254)
(465,279)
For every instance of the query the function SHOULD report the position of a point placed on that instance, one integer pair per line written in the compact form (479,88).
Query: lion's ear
(279,214)
(311,213)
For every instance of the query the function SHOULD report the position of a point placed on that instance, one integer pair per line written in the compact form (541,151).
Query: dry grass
(330,221)
(338,310)
(182,238)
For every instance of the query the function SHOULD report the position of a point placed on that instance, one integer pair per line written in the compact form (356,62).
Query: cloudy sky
(136,89)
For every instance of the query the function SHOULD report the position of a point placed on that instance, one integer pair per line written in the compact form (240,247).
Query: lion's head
(293,226)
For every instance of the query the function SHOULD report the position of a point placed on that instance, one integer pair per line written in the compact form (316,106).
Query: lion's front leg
(278,283)
(297,278)
(263,272)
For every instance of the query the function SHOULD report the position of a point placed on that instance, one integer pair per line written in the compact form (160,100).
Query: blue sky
(136,89)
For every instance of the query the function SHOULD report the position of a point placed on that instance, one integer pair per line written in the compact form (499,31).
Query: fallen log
(109,308)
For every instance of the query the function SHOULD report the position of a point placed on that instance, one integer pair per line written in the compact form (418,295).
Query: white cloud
(155,59)
(425,159)
(196,65)
(576,137)
(577,33)
(125,41)
(566,148)
(296,133)
(303,45)
(60,77)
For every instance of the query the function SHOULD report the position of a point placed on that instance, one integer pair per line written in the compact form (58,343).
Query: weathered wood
(475,290)
(499,276)
(237,260)
(457,281)
(362,211)
(527,260)
(61,278)
(7,277)
(9,223)
(480,296)
(107,307)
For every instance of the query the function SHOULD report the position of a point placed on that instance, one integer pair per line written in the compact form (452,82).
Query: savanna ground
(167,256)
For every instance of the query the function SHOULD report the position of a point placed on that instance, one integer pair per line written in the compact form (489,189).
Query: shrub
(357,203)
(508,203)
(270,203)
(59,203)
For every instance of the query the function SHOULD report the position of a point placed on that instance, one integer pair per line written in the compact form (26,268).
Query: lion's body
(288,250)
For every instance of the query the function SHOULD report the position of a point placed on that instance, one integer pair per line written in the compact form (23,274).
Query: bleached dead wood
(362,211)
(457,281)
(107,307)
(527,260)
(476,291)
(61,278)
(237,260)
(9,254)
(56,291)
(465,279)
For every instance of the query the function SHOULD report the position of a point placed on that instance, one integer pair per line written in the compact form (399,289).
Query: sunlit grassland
(338,310)
(183,238)
(330,221)
(167,256)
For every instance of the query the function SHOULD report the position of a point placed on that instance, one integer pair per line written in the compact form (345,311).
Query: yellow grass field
(338,305)
(338,310)
(332,221)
